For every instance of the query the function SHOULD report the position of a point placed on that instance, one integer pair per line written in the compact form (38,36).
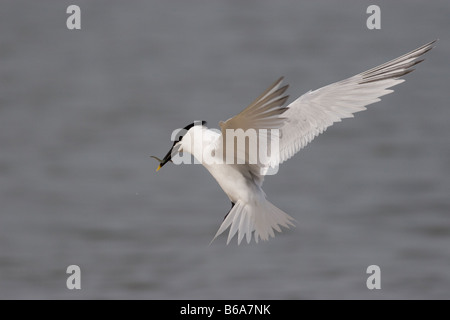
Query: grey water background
(81,111)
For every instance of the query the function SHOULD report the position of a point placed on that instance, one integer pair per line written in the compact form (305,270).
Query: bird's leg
(232,205)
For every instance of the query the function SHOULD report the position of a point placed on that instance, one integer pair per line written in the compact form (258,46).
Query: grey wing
(313,112)
(263,113)
(256,121)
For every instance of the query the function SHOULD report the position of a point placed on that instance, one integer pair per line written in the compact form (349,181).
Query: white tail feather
(261,218)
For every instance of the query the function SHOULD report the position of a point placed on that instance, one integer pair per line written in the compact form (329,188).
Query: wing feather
(312,113)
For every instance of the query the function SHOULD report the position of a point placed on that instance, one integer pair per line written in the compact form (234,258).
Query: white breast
(201,142)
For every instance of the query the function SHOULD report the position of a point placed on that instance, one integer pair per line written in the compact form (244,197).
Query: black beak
(166,159)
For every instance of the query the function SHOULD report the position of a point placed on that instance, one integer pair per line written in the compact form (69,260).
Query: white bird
(298,124)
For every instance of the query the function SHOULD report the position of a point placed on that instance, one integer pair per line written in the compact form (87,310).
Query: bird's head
(177,146)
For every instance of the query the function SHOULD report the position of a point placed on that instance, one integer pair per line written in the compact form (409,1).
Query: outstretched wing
(256,121)
(263,113)
(312,113)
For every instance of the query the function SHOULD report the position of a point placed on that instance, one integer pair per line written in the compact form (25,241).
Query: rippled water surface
(81,111)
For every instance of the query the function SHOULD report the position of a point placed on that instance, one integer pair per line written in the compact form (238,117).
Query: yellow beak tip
(159,167)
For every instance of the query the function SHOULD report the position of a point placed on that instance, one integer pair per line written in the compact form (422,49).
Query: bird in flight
(282,131)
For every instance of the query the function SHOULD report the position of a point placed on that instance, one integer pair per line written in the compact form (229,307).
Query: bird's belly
(234,183)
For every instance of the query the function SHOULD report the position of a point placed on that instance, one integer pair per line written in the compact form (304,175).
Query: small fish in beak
(166,159)
(159,160)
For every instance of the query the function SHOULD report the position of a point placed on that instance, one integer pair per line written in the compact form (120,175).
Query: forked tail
(261,218)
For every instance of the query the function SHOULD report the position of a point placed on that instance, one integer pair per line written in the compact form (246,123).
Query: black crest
(193,124)
(182,132)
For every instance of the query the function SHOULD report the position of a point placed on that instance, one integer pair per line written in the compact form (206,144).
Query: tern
(251,214)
